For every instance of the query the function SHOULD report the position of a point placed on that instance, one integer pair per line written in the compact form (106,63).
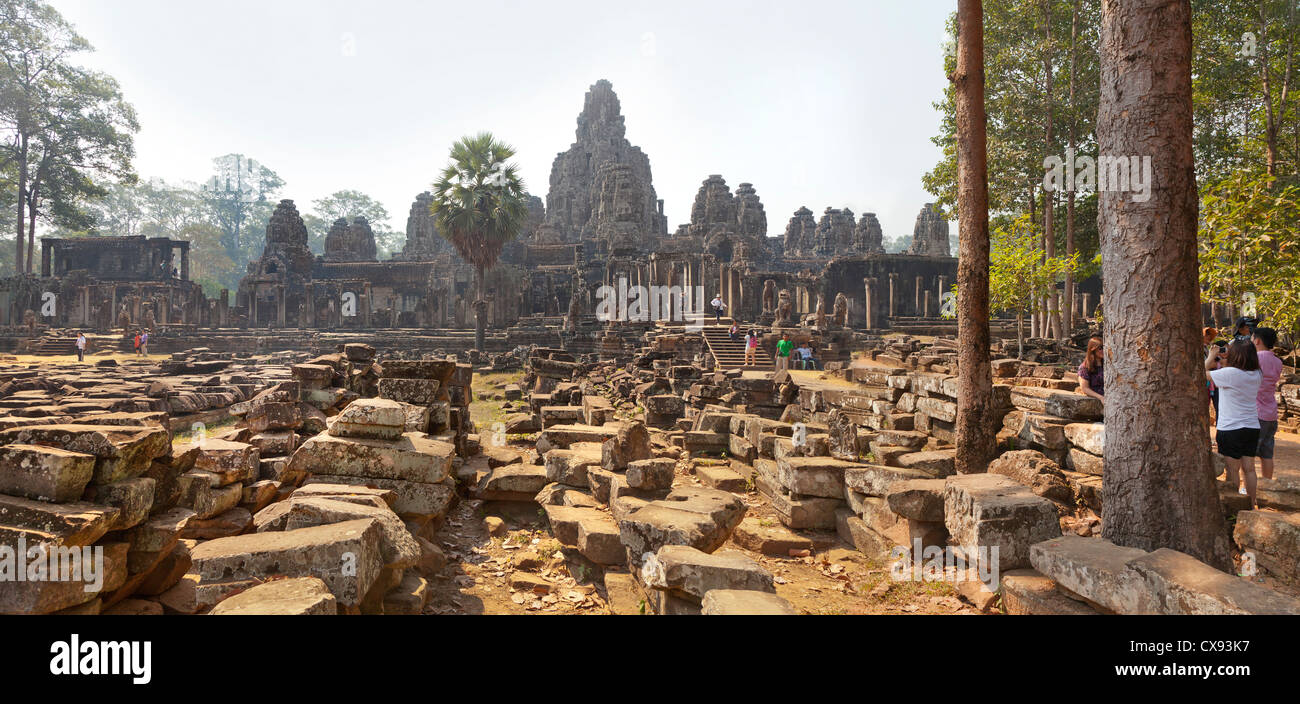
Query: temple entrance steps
(730,354)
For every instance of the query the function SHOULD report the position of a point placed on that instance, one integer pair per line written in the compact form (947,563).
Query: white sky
(815,103)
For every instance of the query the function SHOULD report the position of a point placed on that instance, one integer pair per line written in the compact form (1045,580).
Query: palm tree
(478,205)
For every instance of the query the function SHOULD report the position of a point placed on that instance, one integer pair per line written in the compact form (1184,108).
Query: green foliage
(479,201)
(1250,245)
(479,204)
(349,204)
(240,198)
(1019,276)
(64,129)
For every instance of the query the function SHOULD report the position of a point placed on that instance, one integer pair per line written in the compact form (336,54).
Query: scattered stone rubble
(325,482)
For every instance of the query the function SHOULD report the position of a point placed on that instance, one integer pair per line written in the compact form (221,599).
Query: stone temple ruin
(333,411)
(602,222)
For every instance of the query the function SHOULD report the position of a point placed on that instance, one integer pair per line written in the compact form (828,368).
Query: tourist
(1245,328)
(1208,336)
(718,307)
(137,344)
(1091,376)
(81,346)
(144,344)
(751,348)
(1270,368)
(806,358)
(1237,424)
(734,332)
(783,348)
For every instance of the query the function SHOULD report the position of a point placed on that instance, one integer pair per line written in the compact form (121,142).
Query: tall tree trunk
(22,194)
(1271,123)
(975,434)
(480,324)
(31,236)
(1051,321)
(1067,306)
(1157,488)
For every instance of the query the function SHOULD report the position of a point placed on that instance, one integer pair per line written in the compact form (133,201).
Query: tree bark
(22,194)
(480,325)
(1067,307)
(975,433)
(1157,488)
(1052,323)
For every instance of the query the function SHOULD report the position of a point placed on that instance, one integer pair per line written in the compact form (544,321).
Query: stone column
(917,309)
(1087,311)
(280,305)
(925,303)
(867,285)
(185,263)
(943,286)
(893,295)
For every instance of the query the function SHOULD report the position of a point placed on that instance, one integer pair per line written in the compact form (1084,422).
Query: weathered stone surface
(700,518)
(917,499)
(875,480)
(769,538)
(814,476)
(197,492)
(229,461)
(736,602)
(1089,437)
(1026,592)
(690,571)
(512,479)
(44,473)
(989,510)
(319,551)
(1084,463)
(1034,470)
(296,596)
(420,392)
(413,457)
(1097,570)
(1183,585)
(1063,404)
(81,586)
(121,452)
(232,522)
(936,463)
(346,492)
(410,499)
(570,466)
(651,473)
(398,547)
(64,524)
(1274,538)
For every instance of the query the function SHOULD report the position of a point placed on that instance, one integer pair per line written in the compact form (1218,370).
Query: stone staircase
(730,354)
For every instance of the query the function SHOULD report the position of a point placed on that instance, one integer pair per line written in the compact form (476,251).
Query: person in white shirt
(718,307)
(81,346)
(1237,424)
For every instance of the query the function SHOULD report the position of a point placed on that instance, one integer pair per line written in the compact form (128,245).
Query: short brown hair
(1241,354)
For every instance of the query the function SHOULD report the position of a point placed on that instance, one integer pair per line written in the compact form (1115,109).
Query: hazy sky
(815,103)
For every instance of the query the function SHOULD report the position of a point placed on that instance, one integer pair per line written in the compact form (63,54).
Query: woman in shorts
(1237,423)
(751,348)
